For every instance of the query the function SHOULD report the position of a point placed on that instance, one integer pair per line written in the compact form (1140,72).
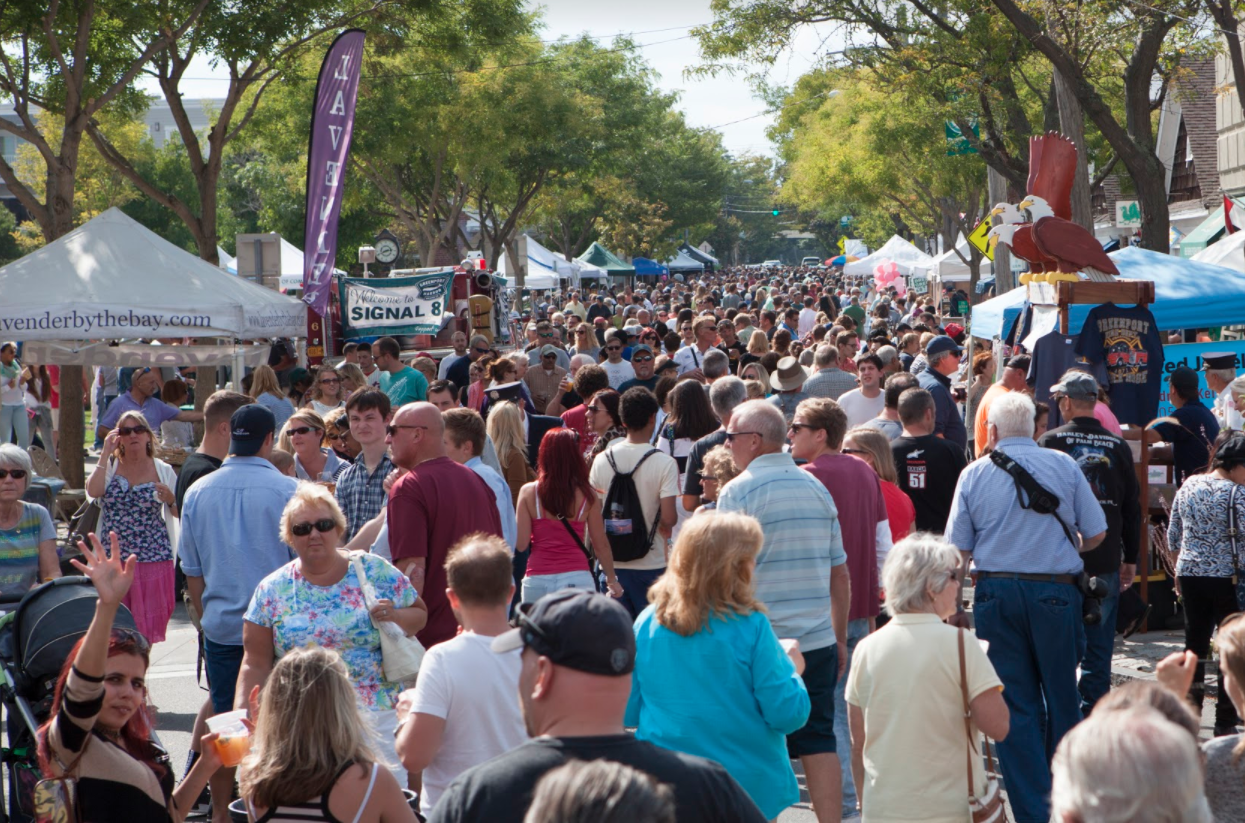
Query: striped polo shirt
(802,543)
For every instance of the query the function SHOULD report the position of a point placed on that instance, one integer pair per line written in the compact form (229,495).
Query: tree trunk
(1072,124)
(1003,282)
(1225,18)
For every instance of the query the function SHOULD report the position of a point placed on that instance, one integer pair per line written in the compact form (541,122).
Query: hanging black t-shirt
(1054,354)
(928,468)
(1128,341)
(500,790)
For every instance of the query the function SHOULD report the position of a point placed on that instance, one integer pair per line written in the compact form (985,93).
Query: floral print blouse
(334,617)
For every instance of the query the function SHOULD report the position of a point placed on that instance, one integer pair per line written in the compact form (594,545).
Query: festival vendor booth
(601,257)
(650,269)
(1228,252)
(710,262)
(907,257)
(1110,315)
(112,279)
(684,263)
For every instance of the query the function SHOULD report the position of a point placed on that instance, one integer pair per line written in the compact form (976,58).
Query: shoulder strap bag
(594,568)
(56,798)
(987,808)
(401,655)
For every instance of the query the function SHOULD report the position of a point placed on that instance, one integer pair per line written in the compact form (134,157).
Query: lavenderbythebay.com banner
(419,304)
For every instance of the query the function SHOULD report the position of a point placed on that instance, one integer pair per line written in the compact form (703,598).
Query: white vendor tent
(949,268)
(292,266)
(544,270)
(113,278)
(1228,252)
(906,256)
(227,262)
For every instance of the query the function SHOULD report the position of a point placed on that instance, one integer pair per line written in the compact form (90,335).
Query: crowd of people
(699,530)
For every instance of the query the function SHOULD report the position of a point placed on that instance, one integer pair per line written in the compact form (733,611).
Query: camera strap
(1029,491)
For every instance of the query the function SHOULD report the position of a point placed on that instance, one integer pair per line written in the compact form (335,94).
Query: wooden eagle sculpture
(1058,248)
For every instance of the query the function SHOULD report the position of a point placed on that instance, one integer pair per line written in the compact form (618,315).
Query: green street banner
(419,304)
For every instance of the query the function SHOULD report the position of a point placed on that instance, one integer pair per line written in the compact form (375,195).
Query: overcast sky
(706,102)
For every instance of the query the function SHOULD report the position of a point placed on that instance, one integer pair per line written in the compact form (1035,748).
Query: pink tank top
(554,551)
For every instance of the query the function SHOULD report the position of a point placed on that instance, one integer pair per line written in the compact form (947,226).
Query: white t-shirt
(447,361)
(373,379)
(618,373)
(657,478)
(473,689)
(861,409)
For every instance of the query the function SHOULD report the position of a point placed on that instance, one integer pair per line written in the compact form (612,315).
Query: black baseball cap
(580,630)
(248,428)
(1019,361)
(1185,378)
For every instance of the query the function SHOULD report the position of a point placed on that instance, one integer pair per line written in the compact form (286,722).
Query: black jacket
(537,425)
(1107,463)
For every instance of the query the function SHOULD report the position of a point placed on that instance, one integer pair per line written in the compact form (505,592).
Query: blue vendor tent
(1187,295)
(646,267)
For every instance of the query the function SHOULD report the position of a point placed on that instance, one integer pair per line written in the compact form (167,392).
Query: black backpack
(624,516)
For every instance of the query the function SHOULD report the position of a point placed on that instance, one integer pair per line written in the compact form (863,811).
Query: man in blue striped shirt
(801,577)
(1026,603)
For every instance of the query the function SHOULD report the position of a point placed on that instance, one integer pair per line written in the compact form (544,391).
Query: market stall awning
(1207,232)
(708,260)
(903,254)
(649,268)
(1228,252)
(684,262)
(603,258)
(114,278)
(1187,295)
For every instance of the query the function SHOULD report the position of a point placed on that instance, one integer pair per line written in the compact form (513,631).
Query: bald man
(433,506)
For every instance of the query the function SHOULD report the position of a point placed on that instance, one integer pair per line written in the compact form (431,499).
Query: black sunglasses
(392,430)
(732,435)
(795,427)
(481,351)
(126,431)
(303,430)
(16,474)
(304,529)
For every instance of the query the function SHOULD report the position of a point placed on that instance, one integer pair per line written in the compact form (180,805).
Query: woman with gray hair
(27,533)
(898,731)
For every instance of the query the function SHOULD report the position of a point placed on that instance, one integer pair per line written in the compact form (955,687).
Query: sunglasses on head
(16,474)
(126,431)
(127,635)
(304,529)
(303,430)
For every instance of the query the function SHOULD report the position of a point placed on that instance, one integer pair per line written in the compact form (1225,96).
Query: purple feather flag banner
(332,123)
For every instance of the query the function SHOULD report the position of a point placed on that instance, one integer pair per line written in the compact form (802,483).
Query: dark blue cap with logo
(577,629)
(248,428)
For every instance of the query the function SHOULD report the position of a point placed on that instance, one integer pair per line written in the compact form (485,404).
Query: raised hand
(112,576)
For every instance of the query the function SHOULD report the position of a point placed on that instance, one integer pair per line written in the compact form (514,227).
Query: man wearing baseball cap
(1191,428)
(943,356)
(1107,463)
(642,362)
(578,655)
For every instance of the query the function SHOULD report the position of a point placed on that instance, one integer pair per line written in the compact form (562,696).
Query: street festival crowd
(683,536)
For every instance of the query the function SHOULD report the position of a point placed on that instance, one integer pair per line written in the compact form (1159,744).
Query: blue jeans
(856,631)
(102,401)
(1036,639)
(1099,648)
(635,583)
(15,421)
(222,664)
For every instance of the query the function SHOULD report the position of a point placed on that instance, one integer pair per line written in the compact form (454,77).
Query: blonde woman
(326,392)
(874,447)
(312,756)
(352,379)
(318,598)
(756,389)
(135,492)
(758,347)
(312,461)
(718,469)
(267,392)
(505,429)
(706,635)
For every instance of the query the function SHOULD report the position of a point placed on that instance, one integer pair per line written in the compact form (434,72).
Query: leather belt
(1070,579)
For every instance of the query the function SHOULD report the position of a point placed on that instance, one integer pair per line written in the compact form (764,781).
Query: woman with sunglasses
(134,489)
(337,433)
(586,343)
(319,599)
(602,418)
(717,469)
(326,392)
(101,723)
(27,533)
(312,461)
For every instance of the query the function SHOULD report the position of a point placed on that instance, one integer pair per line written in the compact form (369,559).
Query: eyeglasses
(548,357)
(303,430)
(127,635)
(613,348)
(796,427)
(392,430)
(708,477)
(126,431)
(685,328)
(330,380)
(865,452)
(339,436)
(641,358)
(730,436)
(304,529)
(479,351)
(16,474)
(593,409)
(546,334)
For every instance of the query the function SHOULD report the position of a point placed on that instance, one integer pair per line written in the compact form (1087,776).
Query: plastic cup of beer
(235,738)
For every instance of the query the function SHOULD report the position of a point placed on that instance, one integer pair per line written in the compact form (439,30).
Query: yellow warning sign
(978,239)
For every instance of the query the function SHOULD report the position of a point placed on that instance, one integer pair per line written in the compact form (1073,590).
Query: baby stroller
(35,640)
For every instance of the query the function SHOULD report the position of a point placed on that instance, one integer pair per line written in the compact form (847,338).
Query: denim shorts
(222,664)
(821,672)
